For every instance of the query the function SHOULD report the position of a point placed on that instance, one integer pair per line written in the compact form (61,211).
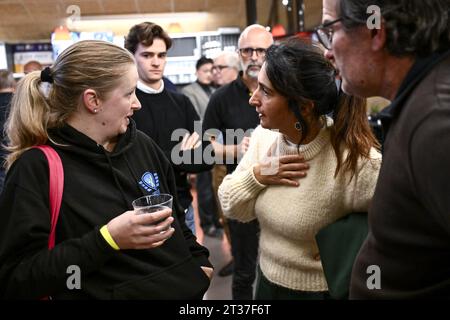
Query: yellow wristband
(107,236)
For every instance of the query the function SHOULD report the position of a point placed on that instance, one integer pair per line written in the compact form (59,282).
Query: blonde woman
(86,119)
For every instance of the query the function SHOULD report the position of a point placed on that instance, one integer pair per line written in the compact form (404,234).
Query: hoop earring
(298,126)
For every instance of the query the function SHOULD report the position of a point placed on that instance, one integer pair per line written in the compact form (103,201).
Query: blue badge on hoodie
(150,182)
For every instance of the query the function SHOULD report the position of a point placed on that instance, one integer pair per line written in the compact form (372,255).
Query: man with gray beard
(229,108)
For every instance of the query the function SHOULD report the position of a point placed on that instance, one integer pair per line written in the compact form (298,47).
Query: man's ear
(378,37)
(91,100)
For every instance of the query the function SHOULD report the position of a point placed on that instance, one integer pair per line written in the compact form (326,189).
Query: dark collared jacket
(409,220)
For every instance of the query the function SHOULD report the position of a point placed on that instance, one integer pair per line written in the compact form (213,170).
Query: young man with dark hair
(164,111)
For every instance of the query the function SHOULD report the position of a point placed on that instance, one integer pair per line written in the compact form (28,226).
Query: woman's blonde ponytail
(27,122)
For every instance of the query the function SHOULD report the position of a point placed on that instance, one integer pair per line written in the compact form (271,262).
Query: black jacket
(409,219)
(229,111)
(161,115)
(98,186)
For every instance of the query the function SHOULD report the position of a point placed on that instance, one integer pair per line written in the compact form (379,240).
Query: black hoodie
(98,186)
(160,116)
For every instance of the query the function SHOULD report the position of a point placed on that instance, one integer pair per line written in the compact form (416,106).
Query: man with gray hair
(226,68)
(229,108)
(401,51)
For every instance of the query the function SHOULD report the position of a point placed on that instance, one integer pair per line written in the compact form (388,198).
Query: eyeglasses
(325,33)
(248,52)
(219,68)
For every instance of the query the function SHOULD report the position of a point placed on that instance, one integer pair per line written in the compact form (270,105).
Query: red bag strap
(56,187)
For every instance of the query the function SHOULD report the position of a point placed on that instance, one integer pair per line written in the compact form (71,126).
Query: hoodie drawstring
(135,176)
(116,180)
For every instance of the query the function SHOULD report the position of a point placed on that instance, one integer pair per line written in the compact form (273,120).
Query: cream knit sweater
(290,217)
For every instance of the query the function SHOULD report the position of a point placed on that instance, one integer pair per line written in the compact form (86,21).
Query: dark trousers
(244,248)
(207,206)
(266,290)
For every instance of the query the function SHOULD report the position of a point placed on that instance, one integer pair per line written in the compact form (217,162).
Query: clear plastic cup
(152,203)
